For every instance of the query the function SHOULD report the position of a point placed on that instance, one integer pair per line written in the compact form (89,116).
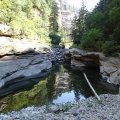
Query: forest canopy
(98,30)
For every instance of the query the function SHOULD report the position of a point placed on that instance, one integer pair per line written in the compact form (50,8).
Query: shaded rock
(86,60)
(80,58)
(58,52)
(109,66)
(69,53)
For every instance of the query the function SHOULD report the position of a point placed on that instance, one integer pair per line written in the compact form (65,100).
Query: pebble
(108,109)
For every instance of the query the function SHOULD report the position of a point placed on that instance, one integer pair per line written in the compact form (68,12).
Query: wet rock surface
(89,109)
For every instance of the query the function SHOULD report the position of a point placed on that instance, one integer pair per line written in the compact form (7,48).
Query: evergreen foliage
(55,39)
(109,48)
(92,40)
(78,27)
(101,28)
(54,27)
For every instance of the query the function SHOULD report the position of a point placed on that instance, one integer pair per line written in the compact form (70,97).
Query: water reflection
(68,97)
(63,84)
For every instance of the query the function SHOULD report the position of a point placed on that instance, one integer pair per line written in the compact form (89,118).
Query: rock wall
(80,58)
(109,66)
(66,14)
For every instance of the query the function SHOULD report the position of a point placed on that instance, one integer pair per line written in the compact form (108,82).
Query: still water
(63,84)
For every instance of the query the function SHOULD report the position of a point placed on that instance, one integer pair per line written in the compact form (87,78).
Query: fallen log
(91,87)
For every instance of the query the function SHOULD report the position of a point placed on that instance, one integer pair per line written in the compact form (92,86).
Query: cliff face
(66,14)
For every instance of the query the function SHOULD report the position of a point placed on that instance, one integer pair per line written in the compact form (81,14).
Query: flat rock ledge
(89,109)
(24,59)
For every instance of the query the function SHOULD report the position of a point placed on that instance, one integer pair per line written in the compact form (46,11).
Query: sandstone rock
(77,51)
(70,52)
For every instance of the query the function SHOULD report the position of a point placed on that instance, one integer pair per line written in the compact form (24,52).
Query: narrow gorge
(45,47)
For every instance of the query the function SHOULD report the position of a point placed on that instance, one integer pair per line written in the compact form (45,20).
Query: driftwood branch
(91,87)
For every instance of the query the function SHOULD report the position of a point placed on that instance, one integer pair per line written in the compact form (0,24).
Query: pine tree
(78,28)
(54,27)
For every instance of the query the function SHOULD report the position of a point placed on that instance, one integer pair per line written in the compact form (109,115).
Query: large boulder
(22,59)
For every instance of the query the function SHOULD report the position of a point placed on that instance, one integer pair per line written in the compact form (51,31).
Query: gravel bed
(89,109)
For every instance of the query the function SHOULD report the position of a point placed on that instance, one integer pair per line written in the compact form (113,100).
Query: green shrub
(27,18)
(75,46)
(109,48)
(92,40)
(55,39)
